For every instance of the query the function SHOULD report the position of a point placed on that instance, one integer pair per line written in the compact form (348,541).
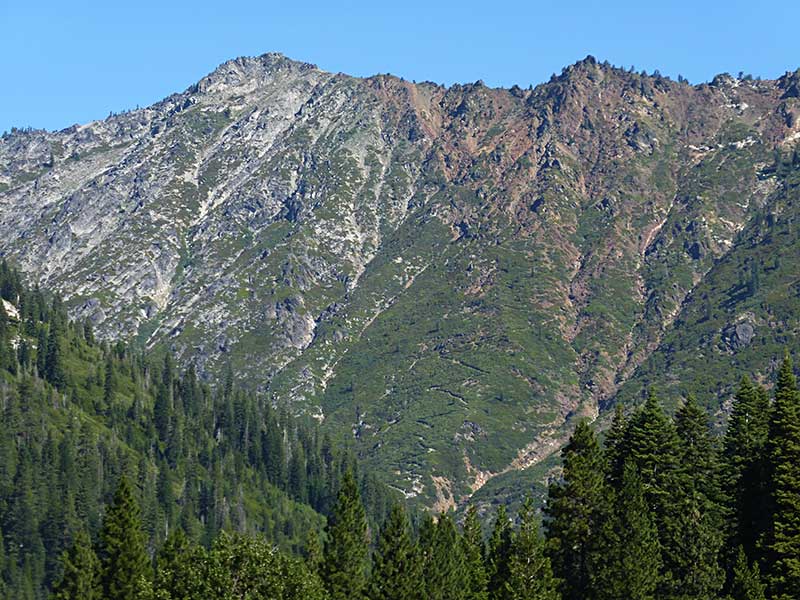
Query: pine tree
(344,567)
(109,387)
(474,556)
(652,447)
(53,366)
(443,565)
(783,542)
(88,332)
(162,411)
(3,566)
(81,572)
(614,448)
(693,541)
(530,574)
(396,571)
(573,512)
(125,565)
(628,563)
(312,550)
(746,580)
(744,468)
(297,484)
(497,560)
(41,352)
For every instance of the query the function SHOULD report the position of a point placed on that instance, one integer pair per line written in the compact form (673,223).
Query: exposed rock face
(407,258)
(738,336)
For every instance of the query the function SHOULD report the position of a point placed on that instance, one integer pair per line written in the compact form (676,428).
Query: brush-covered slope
(446,274)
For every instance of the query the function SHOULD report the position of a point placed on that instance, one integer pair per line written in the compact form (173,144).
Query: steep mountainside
(446,274)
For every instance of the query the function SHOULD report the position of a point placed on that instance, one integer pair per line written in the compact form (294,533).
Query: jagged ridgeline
(447,276)
(77,414)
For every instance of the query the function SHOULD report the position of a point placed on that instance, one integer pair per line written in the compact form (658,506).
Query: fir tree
(530,575)
(573,512)
(614,447)
(125,565)
(7,354)
(744,470)
(344,567)
(81,572)
(273,450)
(629,559)
(297,484)
(652,447)
(3,566)
(41,353)
(698,456)
(474,556)
(396,569)
(312,551)
(746,580)
(497,560)
(24,354)
(443,566)
(53,367)
(88,332)
(694,538)
(109,383)
(162,411)
(783,542)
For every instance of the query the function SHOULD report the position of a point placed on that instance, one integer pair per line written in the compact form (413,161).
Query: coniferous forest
(124,477)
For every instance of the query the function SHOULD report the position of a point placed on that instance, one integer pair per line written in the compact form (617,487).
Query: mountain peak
(250,70)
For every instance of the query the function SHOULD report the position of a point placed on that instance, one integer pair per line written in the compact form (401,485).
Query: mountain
(449,276)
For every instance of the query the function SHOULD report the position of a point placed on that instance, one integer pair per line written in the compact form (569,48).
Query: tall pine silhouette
(396,571)
(443,566)
(530,576)
(497,559)
(474,556)
(747,583)
(81,577)
(784,453)
(628,563)
(573,512)
(125,564)
(344,569)
(695,535)
(744,476)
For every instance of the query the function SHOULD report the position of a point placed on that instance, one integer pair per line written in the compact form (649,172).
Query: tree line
(77,413)
(662,508)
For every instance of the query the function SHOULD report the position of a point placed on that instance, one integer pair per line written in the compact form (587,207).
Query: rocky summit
(446,276)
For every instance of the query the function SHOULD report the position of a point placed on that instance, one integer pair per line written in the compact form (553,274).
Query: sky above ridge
(73,62)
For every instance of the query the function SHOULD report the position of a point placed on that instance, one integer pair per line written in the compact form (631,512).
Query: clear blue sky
(68,61)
